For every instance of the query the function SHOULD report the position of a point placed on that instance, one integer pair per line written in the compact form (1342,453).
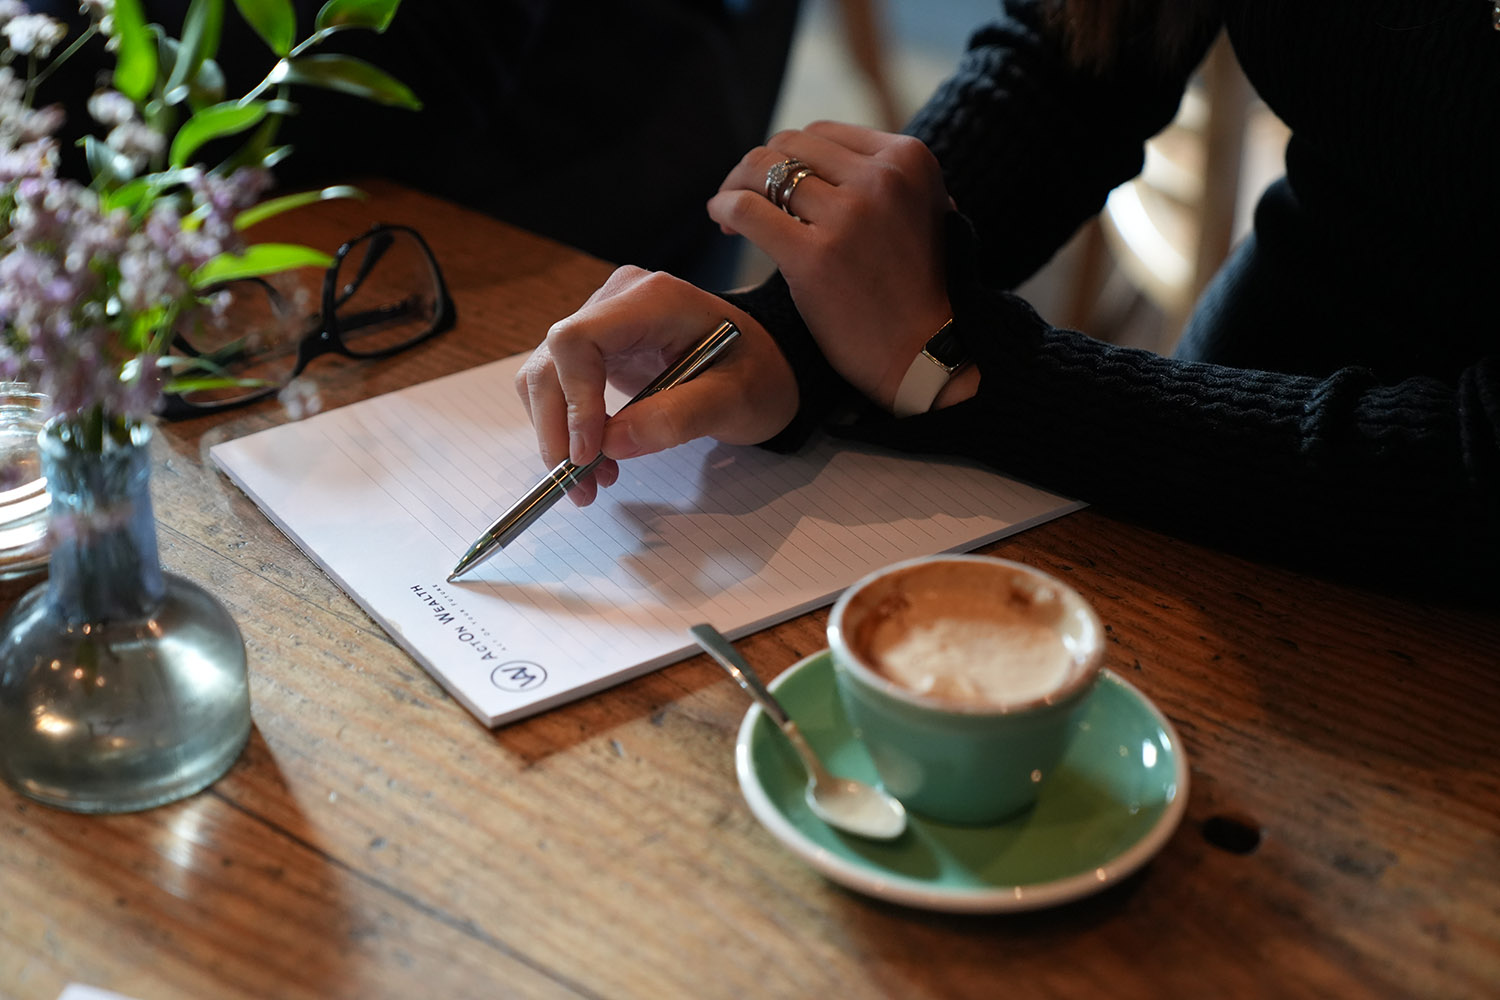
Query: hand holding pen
(540,498)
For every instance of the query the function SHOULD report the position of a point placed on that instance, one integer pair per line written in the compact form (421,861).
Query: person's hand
(628,331)
(863,255)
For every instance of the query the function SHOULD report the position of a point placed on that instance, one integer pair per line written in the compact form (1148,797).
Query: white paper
(78,991)
(386,495)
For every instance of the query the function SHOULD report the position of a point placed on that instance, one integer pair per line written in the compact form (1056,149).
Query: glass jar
(121,687)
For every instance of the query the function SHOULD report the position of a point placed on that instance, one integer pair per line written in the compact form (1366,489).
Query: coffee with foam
(964,677)
(973,633)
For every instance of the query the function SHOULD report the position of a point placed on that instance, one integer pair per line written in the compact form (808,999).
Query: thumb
(654,424)
(712,405)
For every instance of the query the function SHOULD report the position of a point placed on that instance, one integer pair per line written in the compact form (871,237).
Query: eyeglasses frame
(326,337)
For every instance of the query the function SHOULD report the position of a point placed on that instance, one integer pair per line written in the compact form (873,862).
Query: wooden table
(375,841)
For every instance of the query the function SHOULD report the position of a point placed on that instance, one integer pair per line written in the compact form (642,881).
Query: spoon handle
(718,647)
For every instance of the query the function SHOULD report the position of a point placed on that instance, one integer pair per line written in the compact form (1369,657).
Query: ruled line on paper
(384,495)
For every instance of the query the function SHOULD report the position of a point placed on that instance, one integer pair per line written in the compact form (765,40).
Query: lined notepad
(386,494)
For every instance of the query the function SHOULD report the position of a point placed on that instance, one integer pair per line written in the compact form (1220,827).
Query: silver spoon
(842,803)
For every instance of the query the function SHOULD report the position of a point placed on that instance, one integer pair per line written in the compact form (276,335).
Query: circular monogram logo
(518,675)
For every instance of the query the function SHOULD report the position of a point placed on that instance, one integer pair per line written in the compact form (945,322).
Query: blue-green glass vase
(121,687)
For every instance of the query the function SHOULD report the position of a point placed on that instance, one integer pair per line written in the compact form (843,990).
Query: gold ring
(783,197)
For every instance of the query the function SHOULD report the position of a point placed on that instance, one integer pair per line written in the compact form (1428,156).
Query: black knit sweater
(1336,400)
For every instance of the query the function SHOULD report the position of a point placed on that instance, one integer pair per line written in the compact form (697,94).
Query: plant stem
(62,57)
(271,79)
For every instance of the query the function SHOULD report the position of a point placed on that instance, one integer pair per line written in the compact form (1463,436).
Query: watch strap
(930,370)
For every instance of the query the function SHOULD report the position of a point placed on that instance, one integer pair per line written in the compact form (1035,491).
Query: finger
(805,195)
(867,141)
(627,332)
(536,384)
(831,160)
(607,473)
(585,489)
(663,421)
(762,223)
(578,363)
(884,156)
(717,404)
(828,160)
(649,317)
(742,207)
(808,196)
(540,382)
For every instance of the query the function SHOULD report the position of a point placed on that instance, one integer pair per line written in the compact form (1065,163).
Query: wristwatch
(929,372)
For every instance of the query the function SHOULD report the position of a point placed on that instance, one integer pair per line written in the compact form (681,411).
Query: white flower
(103,14)
(137,141)
(34,34)
(110,107)
(31,159)
(12,9)
(300,398)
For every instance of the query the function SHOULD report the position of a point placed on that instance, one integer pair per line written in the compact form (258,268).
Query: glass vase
(121,687)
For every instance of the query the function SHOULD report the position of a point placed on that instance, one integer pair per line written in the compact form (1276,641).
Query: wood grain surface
(1342,837)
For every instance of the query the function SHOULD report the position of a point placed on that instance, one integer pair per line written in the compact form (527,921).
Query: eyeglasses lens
(249,331)
(385,293)
(385,296)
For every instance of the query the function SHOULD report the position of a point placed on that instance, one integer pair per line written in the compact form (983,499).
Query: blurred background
(1132,276)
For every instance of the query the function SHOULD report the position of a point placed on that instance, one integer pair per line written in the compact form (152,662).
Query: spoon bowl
(843,803)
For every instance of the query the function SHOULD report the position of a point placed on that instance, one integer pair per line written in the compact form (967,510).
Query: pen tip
(453,577)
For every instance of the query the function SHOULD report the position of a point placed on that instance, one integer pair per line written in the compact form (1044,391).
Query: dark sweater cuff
(1000,333)
(820,389)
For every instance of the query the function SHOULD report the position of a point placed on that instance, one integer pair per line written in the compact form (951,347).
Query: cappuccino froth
(971,636)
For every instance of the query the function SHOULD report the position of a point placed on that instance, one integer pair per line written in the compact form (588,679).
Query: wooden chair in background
(1167,231)
(865,36)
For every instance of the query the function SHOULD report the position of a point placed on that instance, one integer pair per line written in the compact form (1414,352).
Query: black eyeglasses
(383,294)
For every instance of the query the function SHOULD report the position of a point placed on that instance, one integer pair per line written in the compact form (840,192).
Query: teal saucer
(1113,802)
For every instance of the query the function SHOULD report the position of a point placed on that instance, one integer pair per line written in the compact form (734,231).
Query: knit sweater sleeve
(1031,143)
(1340,473)
(820,389)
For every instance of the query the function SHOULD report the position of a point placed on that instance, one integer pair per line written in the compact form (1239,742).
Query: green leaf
(182,385)
(273,20)
(262,258)
(207,86)
(201,28)
(179,363)
(135,62)
(105,165)
(275,206)
(167,49)
(142,325)
(257,150)
(212,123)
(140,192)
(346,74)
(373,14)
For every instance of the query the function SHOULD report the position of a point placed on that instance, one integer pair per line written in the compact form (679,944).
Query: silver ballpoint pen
(508,526)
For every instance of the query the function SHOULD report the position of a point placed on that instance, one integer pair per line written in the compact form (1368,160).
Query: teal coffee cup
(964,677)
